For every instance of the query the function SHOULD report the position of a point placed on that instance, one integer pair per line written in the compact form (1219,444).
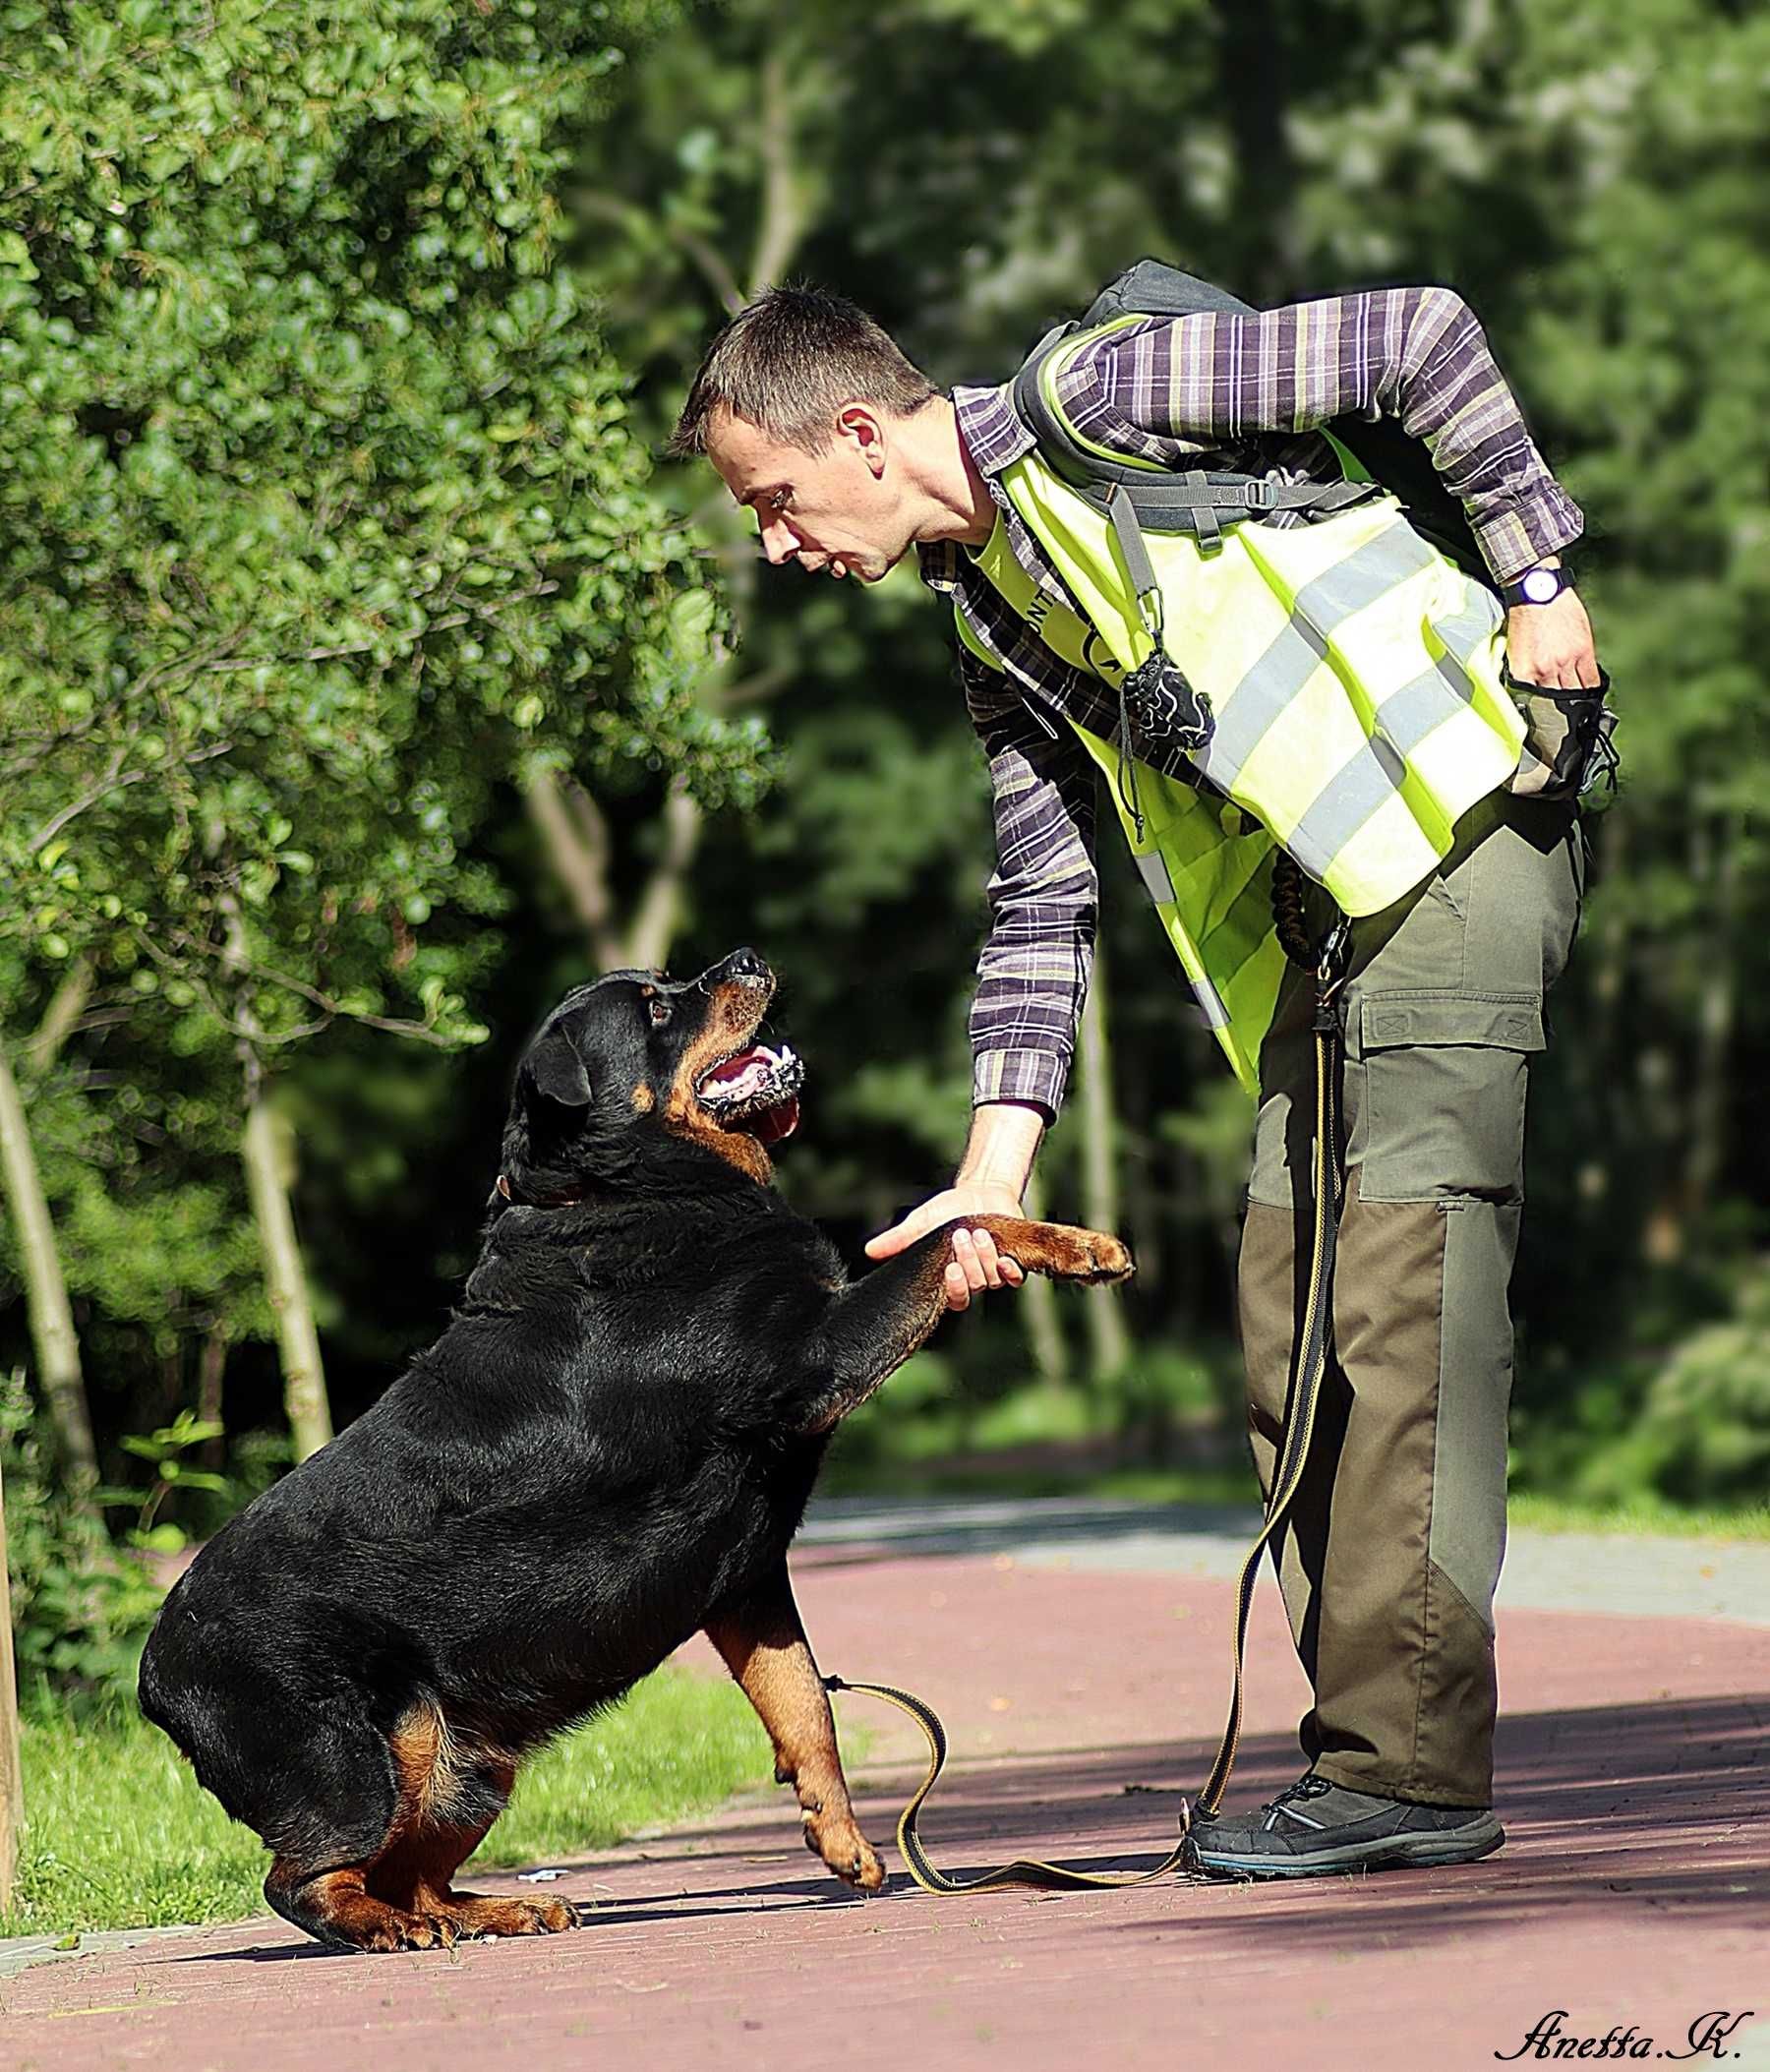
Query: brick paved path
(1634,1781)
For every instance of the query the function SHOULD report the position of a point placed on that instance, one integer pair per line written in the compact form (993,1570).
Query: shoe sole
(1424,1852)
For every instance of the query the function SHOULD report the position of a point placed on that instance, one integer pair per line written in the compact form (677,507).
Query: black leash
(1314,1344)
(1327,960)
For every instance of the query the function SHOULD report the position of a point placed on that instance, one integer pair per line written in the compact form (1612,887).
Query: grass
(1640,1517)
(119,1834)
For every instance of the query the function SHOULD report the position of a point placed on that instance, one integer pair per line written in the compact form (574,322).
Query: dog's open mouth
(755,1090)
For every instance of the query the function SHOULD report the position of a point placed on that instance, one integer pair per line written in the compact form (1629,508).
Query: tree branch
(783,220)
(66,1006)
(111,781)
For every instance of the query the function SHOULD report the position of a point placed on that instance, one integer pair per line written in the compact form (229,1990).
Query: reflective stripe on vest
(1352,671)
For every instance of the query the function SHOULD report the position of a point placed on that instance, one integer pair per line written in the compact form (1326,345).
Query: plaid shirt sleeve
(1173,388)
(1033,971)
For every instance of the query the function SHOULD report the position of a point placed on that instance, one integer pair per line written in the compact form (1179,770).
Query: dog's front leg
(765,1648)
(872,1327)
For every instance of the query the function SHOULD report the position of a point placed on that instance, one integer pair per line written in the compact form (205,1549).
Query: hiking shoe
(1318,1827)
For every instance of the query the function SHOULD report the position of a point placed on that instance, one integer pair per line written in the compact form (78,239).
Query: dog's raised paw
(1108,1258)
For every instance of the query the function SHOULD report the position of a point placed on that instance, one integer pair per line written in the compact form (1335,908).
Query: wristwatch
(1537,586)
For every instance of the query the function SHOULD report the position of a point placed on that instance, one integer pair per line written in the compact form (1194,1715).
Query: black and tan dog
(609,1448)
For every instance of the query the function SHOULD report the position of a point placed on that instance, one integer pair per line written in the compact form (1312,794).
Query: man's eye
(781,500)
(659,1013)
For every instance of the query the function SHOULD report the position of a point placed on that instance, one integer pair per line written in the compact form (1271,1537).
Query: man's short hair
(789,361)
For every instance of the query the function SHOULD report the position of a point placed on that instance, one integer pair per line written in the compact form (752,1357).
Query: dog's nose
(746,964)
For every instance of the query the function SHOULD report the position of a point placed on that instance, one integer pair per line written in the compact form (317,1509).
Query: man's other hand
(1551,645)
(975,1264)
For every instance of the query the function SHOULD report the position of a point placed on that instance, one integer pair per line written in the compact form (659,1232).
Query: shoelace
(1310,1787)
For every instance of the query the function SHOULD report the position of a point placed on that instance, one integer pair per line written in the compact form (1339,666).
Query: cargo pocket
(1441,1109)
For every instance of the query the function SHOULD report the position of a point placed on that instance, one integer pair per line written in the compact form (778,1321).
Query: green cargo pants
(1390,1553)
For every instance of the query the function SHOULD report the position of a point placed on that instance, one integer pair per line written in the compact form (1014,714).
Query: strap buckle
(1331,973)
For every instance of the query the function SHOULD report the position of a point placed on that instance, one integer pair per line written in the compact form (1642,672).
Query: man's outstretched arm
(1033,979)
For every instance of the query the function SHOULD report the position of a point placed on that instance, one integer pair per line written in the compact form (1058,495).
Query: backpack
(1203,501)
(1569,745)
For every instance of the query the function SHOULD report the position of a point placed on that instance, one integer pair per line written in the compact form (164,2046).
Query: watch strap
(1518,591)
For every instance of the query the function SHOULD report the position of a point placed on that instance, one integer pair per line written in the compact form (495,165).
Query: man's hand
(975,1264)
(1551,644)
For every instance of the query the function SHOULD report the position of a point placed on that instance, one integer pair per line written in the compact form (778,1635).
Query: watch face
(1541,585)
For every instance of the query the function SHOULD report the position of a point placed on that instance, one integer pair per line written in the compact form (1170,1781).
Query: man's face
(840,511)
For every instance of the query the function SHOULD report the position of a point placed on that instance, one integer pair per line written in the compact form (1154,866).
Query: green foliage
(321,504)
(166,1450)
(81,1610)
(322,518)
(1701,1431)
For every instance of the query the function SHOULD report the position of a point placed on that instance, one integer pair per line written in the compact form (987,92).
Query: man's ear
(860,423)
(558,1070)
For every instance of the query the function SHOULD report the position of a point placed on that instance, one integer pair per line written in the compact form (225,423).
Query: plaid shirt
(1226,392)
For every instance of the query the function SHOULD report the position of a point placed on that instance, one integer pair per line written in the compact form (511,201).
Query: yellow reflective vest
(1353,675)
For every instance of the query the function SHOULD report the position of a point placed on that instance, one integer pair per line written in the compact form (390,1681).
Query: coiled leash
(1327,962)
(1023,1871)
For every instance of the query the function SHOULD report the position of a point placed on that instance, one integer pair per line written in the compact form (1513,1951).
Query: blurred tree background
(363,685)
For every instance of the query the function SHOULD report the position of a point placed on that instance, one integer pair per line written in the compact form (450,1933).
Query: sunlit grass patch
(118,1833)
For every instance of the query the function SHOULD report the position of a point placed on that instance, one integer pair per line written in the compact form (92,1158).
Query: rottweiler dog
(609,1448)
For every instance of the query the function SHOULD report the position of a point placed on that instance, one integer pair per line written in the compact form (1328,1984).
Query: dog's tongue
(730,1077)
(775,1123)
(748,1075)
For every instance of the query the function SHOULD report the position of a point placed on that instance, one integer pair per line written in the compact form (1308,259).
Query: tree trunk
(212,1370)
(267,1185)
(297,1339)
(12,1785)
(66,1006)
(1037,1299)
(575,837)
(46,1296)
(1253,65)
(1707,1141)
(1109,1345)
(659,911)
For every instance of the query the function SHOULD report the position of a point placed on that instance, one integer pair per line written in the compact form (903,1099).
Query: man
(1390,1553)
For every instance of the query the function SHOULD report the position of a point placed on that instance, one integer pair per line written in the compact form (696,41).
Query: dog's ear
(558,1070)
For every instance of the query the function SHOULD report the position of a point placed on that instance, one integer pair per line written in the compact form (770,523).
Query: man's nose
(778,543)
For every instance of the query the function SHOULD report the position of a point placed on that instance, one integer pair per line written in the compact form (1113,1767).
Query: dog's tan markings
(449,1793)
(732,1023)
(335,1908)
(644,1099)
(772,1661)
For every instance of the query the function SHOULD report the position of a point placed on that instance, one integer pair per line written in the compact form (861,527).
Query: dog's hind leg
(376,1827)
(450,1793)
(765,1648)
(339,1806)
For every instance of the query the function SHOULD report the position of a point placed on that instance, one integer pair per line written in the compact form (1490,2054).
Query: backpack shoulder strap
(1198,501)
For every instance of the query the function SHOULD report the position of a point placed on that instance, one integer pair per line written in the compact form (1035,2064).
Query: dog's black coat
(611,1445)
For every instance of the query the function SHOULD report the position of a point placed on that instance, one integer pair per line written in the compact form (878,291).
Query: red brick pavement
(1635,1887)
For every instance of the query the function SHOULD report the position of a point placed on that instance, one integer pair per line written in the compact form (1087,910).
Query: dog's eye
(659,1012)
